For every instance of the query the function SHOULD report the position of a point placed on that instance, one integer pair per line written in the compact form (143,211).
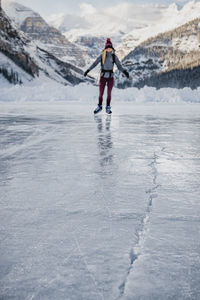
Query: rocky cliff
(21,60)
(12,47)
(46,37)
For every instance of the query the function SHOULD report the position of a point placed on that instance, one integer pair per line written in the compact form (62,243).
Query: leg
(102,84)
(110,84)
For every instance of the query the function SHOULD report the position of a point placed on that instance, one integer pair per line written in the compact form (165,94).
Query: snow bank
(49,91)
(165,95)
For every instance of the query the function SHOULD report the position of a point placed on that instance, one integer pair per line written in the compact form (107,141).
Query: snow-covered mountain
(46,37)
(91,26)
(113,21)
(170,18)
(16,64)
(127,24)
(169,59)
(21,60)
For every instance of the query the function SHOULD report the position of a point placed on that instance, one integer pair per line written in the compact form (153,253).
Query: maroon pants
(102,83)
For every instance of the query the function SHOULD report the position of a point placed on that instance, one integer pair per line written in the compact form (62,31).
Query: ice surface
(103,207)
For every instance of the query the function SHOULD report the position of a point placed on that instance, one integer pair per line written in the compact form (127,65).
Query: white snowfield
(45,89)
(104,207)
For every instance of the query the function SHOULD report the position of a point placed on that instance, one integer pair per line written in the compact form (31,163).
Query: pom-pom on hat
(108,43)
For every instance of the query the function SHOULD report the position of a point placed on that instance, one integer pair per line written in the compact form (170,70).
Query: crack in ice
(136,251)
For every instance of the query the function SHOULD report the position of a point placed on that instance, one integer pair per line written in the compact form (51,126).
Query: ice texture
(104,207)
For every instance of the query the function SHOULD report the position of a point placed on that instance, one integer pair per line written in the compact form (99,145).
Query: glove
(86,72)
(126,73)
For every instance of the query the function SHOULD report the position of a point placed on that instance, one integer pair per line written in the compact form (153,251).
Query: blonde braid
(103,56)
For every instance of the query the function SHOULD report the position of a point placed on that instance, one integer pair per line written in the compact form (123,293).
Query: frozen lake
(104,207)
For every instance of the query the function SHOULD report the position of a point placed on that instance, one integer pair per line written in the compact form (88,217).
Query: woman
(107,59)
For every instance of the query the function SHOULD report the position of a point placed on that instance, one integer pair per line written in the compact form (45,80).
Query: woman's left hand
(86,72)
(126,73)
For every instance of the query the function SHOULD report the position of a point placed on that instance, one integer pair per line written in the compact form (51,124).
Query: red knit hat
(108,43)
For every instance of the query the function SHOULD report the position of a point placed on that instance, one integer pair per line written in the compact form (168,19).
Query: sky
(48,7)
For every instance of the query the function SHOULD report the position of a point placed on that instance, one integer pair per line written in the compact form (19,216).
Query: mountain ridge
(177,15)
(12,45)
(126,24)
(21,60)
(166,53)
(45,36)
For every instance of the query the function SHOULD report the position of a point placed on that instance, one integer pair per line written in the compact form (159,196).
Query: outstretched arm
(119,66)
(95,63)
